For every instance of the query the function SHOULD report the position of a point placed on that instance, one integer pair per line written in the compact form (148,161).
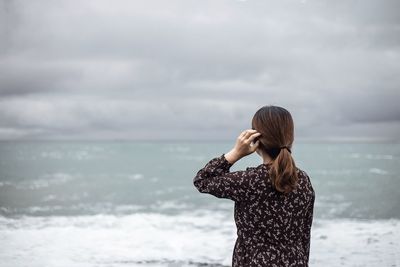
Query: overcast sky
(198,70)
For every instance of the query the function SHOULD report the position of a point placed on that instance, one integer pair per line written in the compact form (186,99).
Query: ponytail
(277,128)
(283,172)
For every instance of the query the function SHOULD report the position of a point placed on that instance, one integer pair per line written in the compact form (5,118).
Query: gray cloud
(197,70)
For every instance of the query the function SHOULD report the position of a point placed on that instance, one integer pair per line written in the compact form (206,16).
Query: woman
(274,201)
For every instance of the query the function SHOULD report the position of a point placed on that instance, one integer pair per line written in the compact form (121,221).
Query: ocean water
(134,204)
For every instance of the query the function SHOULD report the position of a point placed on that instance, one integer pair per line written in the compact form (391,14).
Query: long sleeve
(216,179)
(307,229)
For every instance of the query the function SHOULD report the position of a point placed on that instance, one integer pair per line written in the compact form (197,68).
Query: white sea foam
(370,156)
(36,209)
(338,172)
(105,239)
(169,205)
(105,207)
(46,180)
(188,157)
(176,148)
(332,209)
(49,198)
(378,156)
(355,243)
(128,208)
(378,171)
(52,154)
(5,183)
(85,153)
(136,176)
(154,179)
(69,197)
(199,236)
(349,172)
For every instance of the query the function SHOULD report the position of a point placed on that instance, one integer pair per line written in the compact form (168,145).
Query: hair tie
(286,148)
(274,151)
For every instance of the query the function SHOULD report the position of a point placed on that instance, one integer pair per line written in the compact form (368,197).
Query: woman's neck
(266,158)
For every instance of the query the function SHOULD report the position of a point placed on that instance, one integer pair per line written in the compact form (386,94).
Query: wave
(43,181)
(370,156)
(196,238)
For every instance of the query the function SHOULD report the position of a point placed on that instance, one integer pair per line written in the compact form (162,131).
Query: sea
(133,203)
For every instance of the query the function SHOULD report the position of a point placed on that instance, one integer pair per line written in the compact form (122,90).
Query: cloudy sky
(198,69)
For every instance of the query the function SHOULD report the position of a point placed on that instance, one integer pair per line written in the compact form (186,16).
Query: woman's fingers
(244,140)
(242,134)
(248,132)
(247,137)
(253,136)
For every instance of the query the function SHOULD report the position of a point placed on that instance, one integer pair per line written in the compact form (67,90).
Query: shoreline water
(189,239)
(110,204)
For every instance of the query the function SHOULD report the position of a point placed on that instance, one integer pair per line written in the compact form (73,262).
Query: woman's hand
(243,146)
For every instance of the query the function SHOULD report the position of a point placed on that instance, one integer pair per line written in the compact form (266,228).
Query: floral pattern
(272,229)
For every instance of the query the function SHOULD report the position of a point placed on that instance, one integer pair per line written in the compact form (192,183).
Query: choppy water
(134,204)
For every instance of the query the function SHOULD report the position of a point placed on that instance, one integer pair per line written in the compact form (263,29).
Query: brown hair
(277,134)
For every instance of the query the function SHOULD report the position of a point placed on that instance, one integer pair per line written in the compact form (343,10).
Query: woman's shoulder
(303,175)
(302,172)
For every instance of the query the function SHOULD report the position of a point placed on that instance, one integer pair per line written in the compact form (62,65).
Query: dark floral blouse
(272,230)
